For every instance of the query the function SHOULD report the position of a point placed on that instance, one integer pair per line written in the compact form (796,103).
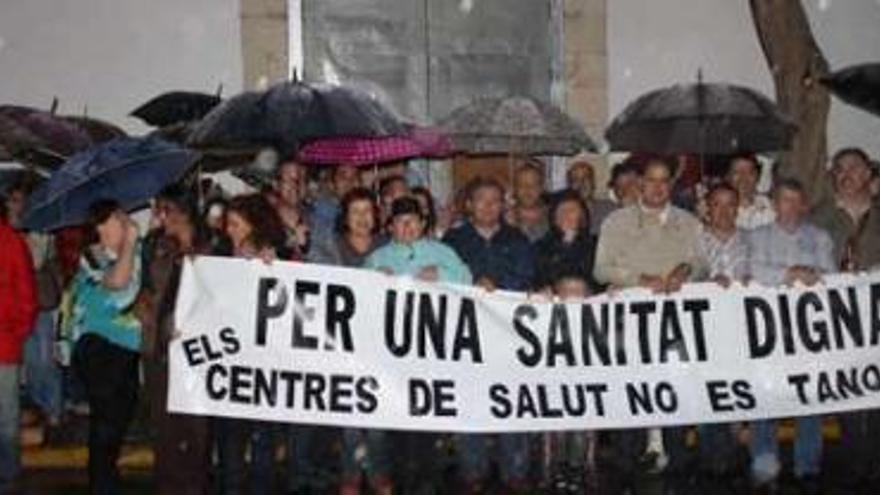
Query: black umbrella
(701,118)
(175,107)
(210,160)
(858,85)
(292,113)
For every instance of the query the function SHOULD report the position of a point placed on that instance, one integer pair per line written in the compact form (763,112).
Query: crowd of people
(108,290)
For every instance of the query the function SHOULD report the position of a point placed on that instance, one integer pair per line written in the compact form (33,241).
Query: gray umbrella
(515,125)
(701,118)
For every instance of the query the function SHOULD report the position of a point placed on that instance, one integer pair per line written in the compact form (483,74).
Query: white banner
(314,344)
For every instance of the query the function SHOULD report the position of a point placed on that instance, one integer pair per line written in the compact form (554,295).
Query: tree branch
(796,63)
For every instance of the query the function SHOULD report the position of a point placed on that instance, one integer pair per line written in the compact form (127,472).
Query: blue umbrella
(10,176)
(128,170)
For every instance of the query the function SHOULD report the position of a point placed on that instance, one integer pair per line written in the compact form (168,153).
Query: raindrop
(627,73)
(266,160)
(465,6)
(825,4)
(360,453)
(2,44)
(330,74)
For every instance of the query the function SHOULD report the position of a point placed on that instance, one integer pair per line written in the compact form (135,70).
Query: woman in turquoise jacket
(410,253)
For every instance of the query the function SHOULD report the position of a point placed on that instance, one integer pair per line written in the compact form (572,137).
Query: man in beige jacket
(650,244)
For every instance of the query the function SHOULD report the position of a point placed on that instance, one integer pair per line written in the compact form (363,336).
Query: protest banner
(303,343)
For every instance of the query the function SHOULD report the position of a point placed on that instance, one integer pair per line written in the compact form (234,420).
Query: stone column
(586,71)
(264,42)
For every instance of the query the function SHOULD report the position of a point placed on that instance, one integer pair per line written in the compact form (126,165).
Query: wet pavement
(60,469)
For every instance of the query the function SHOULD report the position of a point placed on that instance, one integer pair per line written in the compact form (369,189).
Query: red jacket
(18,296)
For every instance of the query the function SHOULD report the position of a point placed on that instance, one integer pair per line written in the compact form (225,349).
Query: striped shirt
(725,257)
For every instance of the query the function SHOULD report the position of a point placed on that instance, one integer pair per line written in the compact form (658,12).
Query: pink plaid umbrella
(419,142)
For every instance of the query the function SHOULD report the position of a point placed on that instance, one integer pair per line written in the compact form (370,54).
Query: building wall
(264,40)
(112,55)
(586,73)
(586,63)
(654,44)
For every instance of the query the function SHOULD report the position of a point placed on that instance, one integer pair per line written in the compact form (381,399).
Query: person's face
(627,188)
(722,207)
(790,206)
(393,191)
(569,216)
(361,219)
(345,178)
(743,175)
(237,228)
(407,228)
(581,179)
(571,288)
(528,187)
(486,207)
(111,233)
(290,183)
(15,206)
(656,186)
(852,176)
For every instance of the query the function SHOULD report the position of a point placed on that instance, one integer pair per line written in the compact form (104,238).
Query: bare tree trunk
(797,64)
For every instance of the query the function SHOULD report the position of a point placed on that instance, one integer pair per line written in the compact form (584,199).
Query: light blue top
(772,250)
(410,259)
(104,311)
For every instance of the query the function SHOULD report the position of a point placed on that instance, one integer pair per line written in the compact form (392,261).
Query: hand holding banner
(315,344)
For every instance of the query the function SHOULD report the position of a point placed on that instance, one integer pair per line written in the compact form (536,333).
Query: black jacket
(556,258)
